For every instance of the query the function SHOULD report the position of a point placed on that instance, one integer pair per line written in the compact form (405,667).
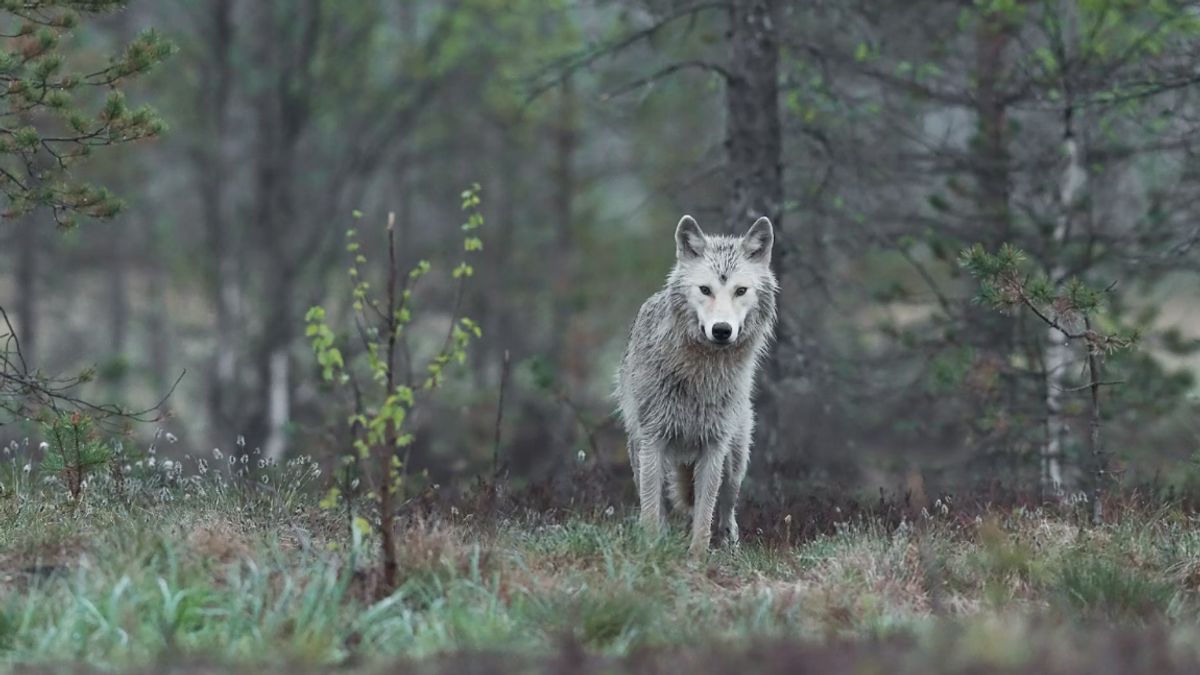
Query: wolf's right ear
(759,239)
(689,239)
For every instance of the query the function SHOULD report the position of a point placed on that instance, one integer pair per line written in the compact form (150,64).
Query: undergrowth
(228,559)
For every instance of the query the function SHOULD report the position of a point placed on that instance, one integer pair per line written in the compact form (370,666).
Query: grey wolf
(686,382)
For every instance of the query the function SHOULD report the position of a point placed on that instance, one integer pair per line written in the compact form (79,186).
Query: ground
(207,574)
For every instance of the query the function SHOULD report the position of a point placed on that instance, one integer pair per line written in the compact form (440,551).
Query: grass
(205,571)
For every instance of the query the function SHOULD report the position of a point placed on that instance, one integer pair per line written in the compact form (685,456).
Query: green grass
(200,570)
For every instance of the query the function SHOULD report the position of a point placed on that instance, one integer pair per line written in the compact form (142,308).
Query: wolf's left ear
(758,240)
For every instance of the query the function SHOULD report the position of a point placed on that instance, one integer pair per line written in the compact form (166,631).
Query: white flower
(217,454)
(171,438)
(241,441)
(609,511)
(582,456)
(43,446)
(26,468)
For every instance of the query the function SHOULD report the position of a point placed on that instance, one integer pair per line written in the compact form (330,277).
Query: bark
(225,288)
(28,247)
(284,110)
(157,325)
(1072,187)
(992,170)
(1094,440)
(118,311)
(753,144)
(1058,352)
(279,394)
(565,142)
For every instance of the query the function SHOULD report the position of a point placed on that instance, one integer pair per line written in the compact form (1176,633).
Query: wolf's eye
(740,291)
(705,290)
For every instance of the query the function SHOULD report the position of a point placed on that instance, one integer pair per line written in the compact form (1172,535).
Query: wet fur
(686,402)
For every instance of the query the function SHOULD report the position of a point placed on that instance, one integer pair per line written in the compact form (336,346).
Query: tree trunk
(225,287)
(1071,189)
(753,143)
(118,314)
(278,403)
(1058,352)
(28,233)
(157,325)
(565,141)
(991,158)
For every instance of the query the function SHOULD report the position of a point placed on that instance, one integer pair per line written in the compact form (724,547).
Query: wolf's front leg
(735,471)
(708,481)
(650,485)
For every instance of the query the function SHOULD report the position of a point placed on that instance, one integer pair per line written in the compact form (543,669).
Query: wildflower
(43,446)
(26,468)
(582,456)
(202,466)
(171,438)
(241,441)
(609,511)
(217,454)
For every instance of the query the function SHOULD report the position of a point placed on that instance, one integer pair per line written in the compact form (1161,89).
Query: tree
(1059,127)
(51,120)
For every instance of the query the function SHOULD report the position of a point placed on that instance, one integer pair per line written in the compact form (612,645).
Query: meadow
(224,564)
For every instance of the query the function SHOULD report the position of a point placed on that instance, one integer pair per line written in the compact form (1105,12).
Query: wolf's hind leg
(735,471)
(650,485)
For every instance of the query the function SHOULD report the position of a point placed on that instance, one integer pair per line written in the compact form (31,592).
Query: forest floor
(201,575)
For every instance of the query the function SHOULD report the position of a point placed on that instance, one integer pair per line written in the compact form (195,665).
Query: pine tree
(53,112)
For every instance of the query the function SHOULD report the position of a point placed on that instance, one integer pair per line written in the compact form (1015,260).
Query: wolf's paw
(728,536)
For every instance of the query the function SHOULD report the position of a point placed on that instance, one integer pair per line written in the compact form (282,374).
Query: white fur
(684,396)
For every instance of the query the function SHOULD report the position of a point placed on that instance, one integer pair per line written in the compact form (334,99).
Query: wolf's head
(724,283)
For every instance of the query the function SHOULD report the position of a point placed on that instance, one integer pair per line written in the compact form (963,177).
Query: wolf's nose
(721,332)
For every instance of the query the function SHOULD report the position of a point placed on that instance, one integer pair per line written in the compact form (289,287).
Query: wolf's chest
(695,409)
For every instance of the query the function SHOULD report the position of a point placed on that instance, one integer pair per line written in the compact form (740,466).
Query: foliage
(46,119)
(1006,285)
(74,450)
(386,400)
(207,563)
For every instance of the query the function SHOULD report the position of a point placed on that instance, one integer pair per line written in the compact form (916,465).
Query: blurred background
(882,136)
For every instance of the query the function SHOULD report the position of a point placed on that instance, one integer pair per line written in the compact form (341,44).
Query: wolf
(686,382)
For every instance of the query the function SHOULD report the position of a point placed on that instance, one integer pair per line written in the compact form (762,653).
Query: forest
(311,313)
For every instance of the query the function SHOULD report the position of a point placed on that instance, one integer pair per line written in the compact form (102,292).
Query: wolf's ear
(758,240)
(689,239)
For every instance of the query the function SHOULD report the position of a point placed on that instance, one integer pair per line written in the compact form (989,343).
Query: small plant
(1101,588)
(74,449)
(1006,286)
(393,386)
